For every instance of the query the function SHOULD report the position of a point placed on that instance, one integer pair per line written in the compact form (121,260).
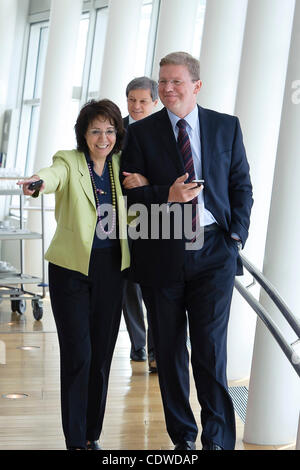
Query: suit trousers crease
(201,304)
(134,317)
(87,312)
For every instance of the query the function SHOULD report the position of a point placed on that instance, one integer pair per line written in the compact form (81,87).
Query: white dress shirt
(193,130)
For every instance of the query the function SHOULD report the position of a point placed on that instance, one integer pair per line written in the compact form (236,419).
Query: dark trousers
(134,317)
(202,300)
(87,312)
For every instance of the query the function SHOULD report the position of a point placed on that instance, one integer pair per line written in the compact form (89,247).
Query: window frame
(27,106)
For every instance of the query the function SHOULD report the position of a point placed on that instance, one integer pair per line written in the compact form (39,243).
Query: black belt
(214,226)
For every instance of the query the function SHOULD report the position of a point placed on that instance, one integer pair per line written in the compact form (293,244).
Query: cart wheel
(18,306)
(37,309)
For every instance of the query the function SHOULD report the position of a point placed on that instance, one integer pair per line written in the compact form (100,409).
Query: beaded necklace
(99,191)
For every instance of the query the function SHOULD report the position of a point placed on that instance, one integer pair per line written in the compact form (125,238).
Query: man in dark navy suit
(142,98)
(189,283)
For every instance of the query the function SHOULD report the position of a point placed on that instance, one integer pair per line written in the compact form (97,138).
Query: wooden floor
(134,416)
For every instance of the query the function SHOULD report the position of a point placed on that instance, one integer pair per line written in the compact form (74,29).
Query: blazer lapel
(206,141)
(85,179)
(165,131)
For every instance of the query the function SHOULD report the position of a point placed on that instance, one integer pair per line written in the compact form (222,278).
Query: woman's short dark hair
(92,110)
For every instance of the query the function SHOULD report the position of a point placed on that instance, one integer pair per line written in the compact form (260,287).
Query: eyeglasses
(172,82)
(177,83)
(98,132)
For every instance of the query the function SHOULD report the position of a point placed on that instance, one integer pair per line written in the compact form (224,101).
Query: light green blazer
(75,211)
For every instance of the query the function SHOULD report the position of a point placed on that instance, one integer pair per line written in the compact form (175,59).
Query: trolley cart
(12,283)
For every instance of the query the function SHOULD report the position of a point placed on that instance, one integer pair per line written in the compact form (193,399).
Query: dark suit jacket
(126,122)
(151,150)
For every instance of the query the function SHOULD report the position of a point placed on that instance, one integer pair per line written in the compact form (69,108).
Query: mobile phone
(199,182)
(35,185)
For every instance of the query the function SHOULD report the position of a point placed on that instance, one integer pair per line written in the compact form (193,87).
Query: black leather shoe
(152,363)
(185,445)
(212,446)
(139,355)
(93,445)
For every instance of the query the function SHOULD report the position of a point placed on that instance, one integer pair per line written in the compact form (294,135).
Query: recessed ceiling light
(28,348)
(15,396)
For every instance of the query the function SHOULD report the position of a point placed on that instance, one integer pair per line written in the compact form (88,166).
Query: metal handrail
(273,294)
(287,348)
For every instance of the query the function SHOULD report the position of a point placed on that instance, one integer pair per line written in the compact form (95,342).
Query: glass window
(78,72)
(86,73)
(40,63)
(97,52)
(80,51)
(142,41)
(143,54)
(36,56)
(35,65)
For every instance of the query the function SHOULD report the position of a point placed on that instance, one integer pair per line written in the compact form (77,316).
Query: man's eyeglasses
(178,83)
(172,82)
(98,132)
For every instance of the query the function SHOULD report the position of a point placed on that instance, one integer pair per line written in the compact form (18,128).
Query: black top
(104,194)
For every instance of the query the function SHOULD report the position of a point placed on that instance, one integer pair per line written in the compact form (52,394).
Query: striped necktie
(184,145)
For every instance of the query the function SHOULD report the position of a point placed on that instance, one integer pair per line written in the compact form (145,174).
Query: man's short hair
(143,83)
(183,58)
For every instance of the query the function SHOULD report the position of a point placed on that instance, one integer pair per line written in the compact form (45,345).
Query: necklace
(113,197)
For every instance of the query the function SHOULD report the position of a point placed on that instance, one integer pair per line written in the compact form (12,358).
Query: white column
(274,392)
(55,99)
(221,49)
(175,29)
(220,58)
(259,102)
(298,436)
(57,85)
(119,52)
(8,14)
(258,105)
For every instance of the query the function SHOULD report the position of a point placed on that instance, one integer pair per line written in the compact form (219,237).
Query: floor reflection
(14,322)
(134,415)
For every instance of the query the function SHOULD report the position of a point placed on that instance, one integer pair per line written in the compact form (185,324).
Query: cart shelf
(12,282)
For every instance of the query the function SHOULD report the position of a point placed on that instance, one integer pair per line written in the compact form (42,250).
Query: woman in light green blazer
(86,258)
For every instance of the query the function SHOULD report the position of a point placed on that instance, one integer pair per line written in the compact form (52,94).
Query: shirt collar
(131,120)
(191,118)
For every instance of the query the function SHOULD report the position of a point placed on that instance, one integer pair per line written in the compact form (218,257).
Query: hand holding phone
(35,185)
(198,182)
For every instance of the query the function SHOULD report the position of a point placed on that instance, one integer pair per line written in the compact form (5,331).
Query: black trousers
(201,301)
(87,312)
(134,317)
